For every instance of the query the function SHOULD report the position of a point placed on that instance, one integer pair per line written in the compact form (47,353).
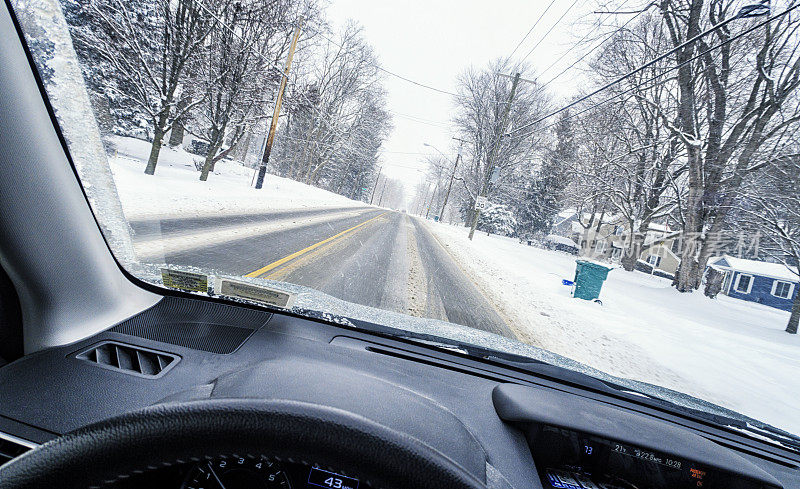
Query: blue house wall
(761,292)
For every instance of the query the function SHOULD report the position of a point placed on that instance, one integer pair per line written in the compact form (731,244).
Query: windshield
(606,186)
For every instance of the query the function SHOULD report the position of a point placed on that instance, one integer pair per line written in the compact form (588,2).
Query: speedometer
(237,473)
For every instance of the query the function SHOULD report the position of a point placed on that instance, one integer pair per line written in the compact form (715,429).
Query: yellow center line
(294,255)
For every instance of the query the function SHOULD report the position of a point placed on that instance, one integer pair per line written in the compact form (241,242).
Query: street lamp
(754,10)
(437,149)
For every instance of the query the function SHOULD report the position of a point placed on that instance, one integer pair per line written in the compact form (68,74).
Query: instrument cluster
(245,473)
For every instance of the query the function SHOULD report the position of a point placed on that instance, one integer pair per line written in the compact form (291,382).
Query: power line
(601,43)
(380,68)
(549,30)
(639,86)
(531,29)
(654,61)
(409,80)
(406,79)
(420,120)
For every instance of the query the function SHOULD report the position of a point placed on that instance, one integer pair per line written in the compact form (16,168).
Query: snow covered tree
(480,103)
(337,119)
(735,97)
(497,219)
(771,207)
(541,202)
(643,160)
(238,69)
(147,49)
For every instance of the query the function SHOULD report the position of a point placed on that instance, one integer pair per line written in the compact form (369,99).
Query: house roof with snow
(765,269)
(567,213)
(659,227)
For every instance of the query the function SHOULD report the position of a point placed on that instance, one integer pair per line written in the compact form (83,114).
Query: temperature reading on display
(331,480)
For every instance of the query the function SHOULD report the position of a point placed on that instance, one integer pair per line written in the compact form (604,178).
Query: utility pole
(383,189)
(377,179)
(262,170)
(452,177)
(493,154)
(433,197)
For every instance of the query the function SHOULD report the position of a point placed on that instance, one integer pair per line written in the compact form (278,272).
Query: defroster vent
(130,359)
(11,449)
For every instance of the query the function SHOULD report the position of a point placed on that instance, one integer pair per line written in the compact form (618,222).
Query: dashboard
(508,428)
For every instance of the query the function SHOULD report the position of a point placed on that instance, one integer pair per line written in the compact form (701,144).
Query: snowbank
(726,351)
(176,190)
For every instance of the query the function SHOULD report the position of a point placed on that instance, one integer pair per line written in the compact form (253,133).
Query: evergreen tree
(497,219)
(544,192)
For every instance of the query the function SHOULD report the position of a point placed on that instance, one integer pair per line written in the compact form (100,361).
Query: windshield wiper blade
(772,433)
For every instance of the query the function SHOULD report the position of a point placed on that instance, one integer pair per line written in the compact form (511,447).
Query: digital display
(330,480)
(647,456)
(571,460)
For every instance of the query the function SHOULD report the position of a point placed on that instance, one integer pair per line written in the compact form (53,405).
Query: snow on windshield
(610,186)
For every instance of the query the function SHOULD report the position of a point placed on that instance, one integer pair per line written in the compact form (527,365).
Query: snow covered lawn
(178,192)
(726,351)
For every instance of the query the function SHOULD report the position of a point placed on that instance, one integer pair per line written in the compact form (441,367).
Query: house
(607,238)
(562,224)
(771,284)
(660,248)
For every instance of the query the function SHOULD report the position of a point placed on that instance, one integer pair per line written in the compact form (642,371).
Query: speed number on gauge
(237,473)
(331,480)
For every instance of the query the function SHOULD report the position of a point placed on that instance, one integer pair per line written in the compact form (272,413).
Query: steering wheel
(104,453)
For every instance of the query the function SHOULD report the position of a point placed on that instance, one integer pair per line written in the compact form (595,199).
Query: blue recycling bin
(589,278)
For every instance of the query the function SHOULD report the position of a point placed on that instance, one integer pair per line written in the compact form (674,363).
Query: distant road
(365,255)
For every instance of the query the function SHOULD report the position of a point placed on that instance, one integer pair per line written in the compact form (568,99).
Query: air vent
(133,360)
(11,449)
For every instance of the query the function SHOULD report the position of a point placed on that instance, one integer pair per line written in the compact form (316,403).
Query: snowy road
(369,256)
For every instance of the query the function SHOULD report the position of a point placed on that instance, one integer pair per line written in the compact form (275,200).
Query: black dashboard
(505,427)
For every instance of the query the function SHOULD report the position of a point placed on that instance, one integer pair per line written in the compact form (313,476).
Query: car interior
(109,381)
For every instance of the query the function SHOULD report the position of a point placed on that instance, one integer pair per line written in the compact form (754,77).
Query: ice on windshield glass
(611,186)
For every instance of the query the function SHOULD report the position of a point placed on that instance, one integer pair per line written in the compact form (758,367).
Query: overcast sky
(433,41)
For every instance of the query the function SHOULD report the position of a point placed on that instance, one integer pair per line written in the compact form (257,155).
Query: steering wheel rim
(106,452)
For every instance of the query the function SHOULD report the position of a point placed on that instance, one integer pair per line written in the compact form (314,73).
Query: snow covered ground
(726,351)
(178,192)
